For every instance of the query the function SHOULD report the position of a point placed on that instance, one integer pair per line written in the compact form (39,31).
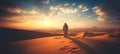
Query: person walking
(65,29)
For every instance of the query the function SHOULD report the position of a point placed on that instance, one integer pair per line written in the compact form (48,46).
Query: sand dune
(62,45)
(43,43)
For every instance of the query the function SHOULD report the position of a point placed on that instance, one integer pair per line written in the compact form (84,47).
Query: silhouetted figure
(65,30)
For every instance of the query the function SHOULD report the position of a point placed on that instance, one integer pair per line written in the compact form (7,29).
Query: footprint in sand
(71,50)
(64,48)
(74,50)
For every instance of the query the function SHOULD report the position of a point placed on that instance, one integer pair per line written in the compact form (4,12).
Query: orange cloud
(20,11)
(15,10)
(101,14)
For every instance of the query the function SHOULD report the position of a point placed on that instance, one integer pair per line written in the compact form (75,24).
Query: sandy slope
(49,45)
(68,45)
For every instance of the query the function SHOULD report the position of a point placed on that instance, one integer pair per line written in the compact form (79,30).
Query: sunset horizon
(52,14)
(59,27)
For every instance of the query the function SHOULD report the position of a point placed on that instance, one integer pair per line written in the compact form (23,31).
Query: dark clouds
(5,5)
(112,9)
(42,6)
(4,12)
(109,11)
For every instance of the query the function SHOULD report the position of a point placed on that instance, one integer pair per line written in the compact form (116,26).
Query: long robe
(65,30)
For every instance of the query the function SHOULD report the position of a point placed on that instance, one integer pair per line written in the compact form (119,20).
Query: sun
(48,24)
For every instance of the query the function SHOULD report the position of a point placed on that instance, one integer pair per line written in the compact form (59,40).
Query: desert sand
(67,45)
(84,42)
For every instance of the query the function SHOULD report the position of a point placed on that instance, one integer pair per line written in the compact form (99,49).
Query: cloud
(4,6)
(65,8)
(32,12)
(41,2)
(68,10)
(73,4)
(83,8)
(111,12)
(54,8)
(66,4)
(12,14)
(107,14)
(15,10)
(45,1)
(9,10)
(102,16)
(80,6)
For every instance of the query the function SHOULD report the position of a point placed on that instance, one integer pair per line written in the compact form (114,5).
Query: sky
(52,14)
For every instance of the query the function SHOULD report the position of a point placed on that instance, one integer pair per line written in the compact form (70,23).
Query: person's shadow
(107,48)
(84,46)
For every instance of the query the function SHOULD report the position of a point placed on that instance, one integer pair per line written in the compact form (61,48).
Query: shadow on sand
(106,48)
(84,46)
